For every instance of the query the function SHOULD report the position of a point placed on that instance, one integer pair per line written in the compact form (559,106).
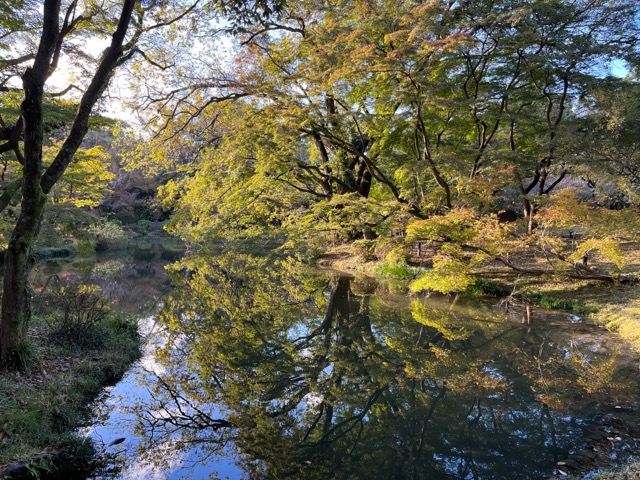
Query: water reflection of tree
(313,380)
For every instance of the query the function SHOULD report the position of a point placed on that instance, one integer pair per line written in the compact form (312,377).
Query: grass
(396,270)
(626,472)
(560,301)
(630,471)
(43,406)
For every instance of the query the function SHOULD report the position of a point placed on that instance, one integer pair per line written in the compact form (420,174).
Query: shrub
(487,287)
(107,233)
(118,325)
(143,226)
(396,270)
(552,302)
(78,315)
(54,252)
(125,217)
(23,356)
(397,256)
(84,247)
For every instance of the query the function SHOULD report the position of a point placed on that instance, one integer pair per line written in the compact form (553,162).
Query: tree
(46,37)
(62,24)
(351,120)
(86,179)
(36,182)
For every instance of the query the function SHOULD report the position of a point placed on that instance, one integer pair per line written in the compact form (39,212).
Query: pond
(262,368)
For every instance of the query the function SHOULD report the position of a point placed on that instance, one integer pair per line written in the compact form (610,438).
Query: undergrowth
(396,270)
(44,404)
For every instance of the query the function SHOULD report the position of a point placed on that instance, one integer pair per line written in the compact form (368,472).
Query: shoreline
(44,404)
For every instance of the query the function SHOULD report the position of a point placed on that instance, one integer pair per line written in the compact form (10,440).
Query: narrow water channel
(255,369)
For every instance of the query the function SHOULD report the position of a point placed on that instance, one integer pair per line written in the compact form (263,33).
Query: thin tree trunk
(528,215)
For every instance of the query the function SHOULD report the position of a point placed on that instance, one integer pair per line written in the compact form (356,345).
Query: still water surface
(262,369)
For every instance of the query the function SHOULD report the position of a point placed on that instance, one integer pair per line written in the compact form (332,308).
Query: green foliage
(108,234)
(398,254)
(607,247)
(487,287)
(143,226)
(396,270)
(363,119)
(365,249)
(84,247)
(54,252)
(450,272)
(86,179)
(23,356)
(555,302)
(455,226)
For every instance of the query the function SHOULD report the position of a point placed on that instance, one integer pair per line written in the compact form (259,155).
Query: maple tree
(346,124)
(39,40)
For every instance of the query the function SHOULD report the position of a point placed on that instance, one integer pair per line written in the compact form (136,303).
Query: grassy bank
(76,347)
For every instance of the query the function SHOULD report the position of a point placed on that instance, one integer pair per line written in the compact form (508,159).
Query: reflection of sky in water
(115,418)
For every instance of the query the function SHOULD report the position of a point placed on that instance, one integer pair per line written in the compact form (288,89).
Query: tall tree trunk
(16,308)
(16,305)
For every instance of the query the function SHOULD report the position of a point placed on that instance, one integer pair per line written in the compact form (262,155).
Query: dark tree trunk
(16,309)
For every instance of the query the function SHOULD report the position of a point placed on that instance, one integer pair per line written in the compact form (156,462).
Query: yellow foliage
(85,180)
(607,247)
(442,321)
(453,226)
(565,209)
(450,273)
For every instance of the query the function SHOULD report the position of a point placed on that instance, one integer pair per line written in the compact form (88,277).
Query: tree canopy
(363,120)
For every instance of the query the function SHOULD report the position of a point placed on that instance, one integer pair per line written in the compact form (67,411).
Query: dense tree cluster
(314,122)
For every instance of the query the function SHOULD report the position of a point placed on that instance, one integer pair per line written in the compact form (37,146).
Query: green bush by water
(396,270)
(553,302)
(488,288)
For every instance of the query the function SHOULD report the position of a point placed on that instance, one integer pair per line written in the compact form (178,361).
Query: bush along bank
(77,345)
